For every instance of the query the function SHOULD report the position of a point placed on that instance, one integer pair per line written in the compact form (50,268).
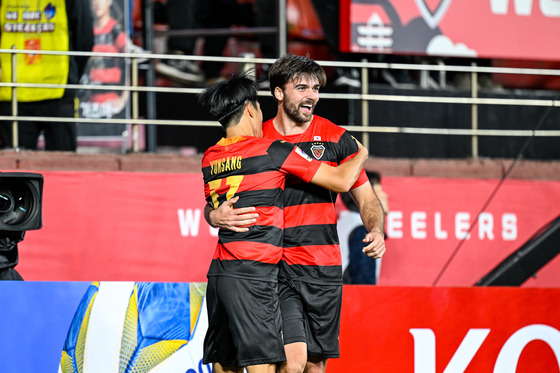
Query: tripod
(9,254)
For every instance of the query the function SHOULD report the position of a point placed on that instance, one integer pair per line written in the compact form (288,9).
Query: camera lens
(6,201)
(20,201)
(15,202)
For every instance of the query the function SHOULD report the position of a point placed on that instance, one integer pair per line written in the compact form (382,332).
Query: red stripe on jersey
(265,180)
(248,250)
(330,144)
(106,75)
(256,167)
(318,255)
(362,179)
(270,216)
(120,43)
(310,214)
(103,97)
(105,48)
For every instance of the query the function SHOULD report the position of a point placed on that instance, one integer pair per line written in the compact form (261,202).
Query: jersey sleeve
(348,149)
(291,160)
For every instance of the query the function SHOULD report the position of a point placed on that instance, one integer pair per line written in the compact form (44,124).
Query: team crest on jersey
(318,150)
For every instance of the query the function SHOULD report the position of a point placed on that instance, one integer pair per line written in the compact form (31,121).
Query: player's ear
(278,93)
(250,109)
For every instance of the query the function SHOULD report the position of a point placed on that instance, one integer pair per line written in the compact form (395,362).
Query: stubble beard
(292,110)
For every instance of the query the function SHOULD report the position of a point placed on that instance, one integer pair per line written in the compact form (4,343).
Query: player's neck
(102,21)
(286,126)
(243,128)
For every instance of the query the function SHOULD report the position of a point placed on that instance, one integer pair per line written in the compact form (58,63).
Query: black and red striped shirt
(108,70)
(254,169)
(311,246)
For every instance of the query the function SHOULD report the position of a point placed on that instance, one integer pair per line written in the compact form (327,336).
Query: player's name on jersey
(225,164)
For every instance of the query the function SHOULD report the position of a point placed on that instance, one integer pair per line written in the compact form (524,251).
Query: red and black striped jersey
(311,249)
(109,38)
(254,169)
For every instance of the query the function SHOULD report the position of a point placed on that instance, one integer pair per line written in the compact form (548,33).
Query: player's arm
(373,218)
(341,178)
(338,179)
(227,217)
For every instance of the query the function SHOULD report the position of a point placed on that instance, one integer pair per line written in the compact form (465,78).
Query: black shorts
(311,314)
(244,323)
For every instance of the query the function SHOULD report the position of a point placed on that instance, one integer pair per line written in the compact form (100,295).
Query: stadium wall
(99,209)
(383,329)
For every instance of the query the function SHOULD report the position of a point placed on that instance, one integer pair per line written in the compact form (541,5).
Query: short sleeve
(291,160)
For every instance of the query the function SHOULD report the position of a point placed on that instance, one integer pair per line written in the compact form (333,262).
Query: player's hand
(226,217)
(361,149)
(375,244)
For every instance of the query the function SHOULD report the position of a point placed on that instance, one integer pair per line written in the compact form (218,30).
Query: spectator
(328,12)
(110,38)
(181,15)
(194,14)
(71,31)
(358,268)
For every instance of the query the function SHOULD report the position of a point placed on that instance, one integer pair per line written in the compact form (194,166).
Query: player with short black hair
(310,272)
(245,328)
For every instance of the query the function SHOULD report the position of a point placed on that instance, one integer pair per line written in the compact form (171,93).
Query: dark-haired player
(310,272)
(242,296)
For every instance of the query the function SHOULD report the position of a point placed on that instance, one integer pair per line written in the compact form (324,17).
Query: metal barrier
(363,96)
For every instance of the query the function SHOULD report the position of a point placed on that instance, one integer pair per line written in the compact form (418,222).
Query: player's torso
(311,250)
(245,169)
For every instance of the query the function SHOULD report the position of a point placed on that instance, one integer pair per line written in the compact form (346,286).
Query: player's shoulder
(324,122)
(263,145)
(328,127)
(280,144)
(268,129)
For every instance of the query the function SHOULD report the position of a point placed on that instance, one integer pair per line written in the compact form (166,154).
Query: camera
(21,197)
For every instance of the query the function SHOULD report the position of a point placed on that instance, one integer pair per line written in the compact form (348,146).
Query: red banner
(122,226)
(119,226)
(508,29)
(429,219)
(429,330)
(383,329)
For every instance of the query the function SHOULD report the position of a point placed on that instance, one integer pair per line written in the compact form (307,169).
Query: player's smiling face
(300,98)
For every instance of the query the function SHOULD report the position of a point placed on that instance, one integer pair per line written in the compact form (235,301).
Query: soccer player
(310,274)
(242,296)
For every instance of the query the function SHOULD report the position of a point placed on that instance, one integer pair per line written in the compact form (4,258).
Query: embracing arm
(373,218)
(341,178)
(338,179)
(227,217)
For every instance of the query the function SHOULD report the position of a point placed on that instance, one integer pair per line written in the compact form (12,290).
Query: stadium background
(136,217)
